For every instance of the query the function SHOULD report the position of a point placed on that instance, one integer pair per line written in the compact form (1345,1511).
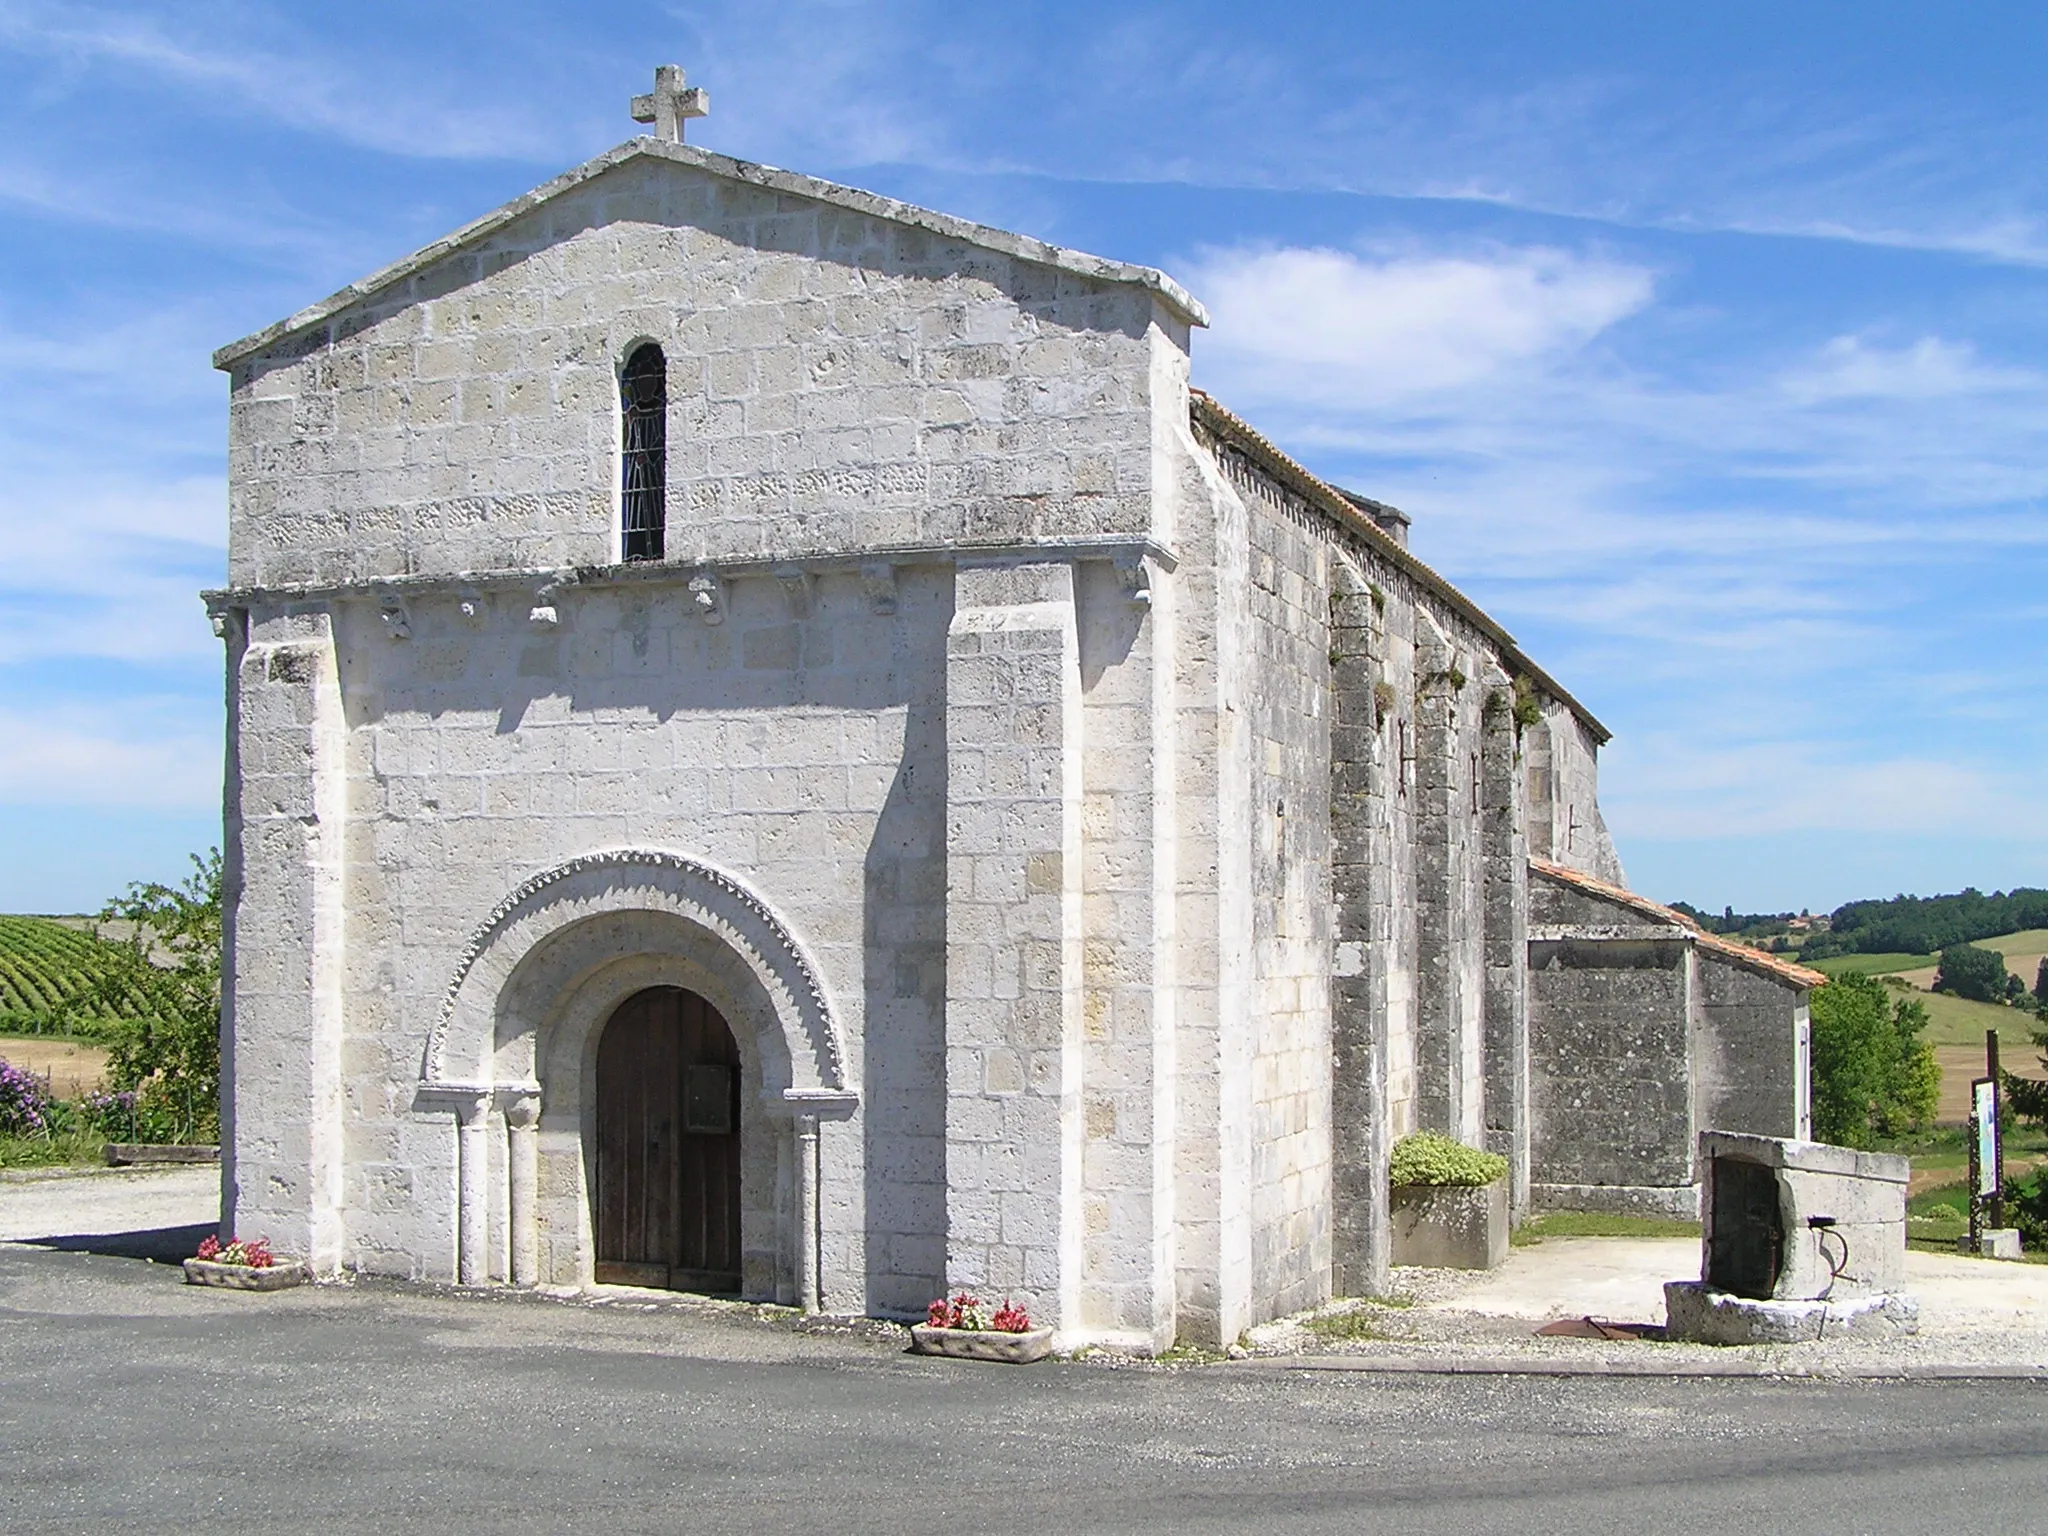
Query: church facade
(777,746)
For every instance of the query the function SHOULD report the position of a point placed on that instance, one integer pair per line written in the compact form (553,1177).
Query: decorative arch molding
(461,1043)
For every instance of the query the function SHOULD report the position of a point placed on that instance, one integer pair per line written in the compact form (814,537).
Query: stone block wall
(1563,787)
(1610,1094)
(800,741)
(1751,1056)
(1288,696)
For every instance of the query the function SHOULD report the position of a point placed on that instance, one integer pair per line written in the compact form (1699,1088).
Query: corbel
(546,612)
(1134,578)
(470,604)
(797,587)
(391,608)
(708,593)
(878,580)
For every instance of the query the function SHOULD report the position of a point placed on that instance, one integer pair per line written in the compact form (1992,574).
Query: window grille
(643,396)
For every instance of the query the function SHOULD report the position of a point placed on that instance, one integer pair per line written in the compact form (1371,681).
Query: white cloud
(128,754)
(1703,787)
(1853,368)
(382,103)
(1331,328)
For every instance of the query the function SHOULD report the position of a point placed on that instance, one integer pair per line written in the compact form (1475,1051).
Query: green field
(44,965)
(1868,965)
(1953,1021)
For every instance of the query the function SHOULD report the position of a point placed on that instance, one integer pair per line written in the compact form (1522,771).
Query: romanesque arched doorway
(668,1145)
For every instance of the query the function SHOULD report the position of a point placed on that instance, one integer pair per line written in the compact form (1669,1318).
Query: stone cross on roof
(671,103)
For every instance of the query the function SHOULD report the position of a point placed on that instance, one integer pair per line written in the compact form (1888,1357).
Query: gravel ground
(63,1203)
(1975,1314)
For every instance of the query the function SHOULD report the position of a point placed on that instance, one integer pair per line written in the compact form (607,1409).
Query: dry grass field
(72,1066)
(2022,951)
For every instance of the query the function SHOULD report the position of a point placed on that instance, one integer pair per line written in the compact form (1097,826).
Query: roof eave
(1320,493)
(1170,293)
(1740,954)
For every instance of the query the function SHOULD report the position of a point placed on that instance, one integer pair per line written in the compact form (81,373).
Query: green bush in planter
(1430,1158)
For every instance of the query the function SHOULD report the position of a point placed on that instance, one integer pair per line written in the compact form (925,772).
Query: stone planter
(982,1344)
(246,1277)
(131,1154)
(1445,1226)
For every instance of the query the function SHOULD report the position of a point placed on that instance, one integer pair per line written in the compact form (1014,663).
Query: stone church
(777,746)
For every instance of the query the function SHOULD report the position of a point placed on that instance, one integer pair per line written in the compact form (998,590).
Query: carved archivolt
(634,880)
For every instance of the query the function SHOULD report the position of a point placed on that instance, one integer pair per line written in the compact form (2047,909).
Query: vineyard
(45,965)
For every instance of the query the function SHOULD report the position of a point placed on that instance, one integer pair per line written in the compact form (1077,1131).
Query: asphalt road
(131,1402)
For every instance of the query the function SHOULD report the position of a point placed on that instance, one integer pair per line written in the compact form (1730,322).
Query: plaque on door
(707,1100)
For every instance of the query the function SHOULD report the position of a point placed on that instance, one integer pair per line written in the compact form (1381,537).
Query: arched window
(643,397)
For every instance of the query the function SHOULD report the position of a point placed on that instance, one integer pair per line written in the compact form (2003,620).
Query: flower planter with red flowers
(965,1328)
(240,1266)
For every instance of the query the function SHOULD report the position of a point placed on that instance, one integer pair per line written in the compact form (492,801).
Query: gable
(742,173)
(843,377)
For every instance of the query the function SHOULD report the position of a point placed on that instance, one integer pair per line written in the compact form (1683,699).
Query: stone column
(472,1186)
(1360,872)
(1438,1082)
(1013,938)
(522,1133)
(806,1132)
(282,1105)
(1504,859)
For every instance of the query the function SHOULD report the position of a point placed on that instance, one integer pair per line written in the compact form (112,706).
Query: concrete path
(63,1203)
(1616,1279)
(1621,1280)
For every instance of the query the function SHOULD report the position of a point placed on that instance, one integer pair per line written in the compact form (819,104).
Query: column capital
(470,1103)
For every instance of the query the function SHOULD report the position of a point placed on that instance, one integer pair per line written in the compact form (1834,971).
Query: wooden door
(668,1145)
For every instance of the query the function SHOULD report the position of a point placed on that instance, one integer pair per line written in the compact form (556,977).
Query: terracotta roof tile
(1740,954)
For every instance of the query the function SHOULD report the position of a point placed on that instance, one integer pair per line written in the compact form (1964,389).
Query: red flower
(1010,1318)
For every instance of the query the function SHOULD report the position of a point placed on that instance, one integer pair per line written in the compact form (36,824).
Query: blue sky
(1707,346)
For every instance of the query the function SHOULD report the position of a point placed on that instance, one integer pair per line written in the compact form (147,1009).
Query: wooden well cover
(668,1145)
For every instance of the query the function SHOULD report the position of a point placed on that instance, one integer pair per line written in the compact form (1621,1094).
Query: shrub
(1969,972)
(1872,1074)
(166,978)
(2026,1097)
(2026,1207)
(24,1107)
(1430,1158)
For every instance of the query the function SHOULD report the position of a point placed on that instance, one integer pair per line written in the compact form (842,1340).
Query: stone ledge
(1806,1156)
(1678,1202)
(1695,1312)
(128,1154)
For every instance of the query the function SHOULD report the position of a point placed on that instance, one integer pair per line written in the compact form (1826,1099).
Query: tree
(1872,1073)
(1973,973)
(166,953)
(2041,986)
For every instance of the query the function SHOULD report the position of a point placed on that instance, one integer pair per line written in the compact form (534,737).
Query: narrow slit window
(643,394)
